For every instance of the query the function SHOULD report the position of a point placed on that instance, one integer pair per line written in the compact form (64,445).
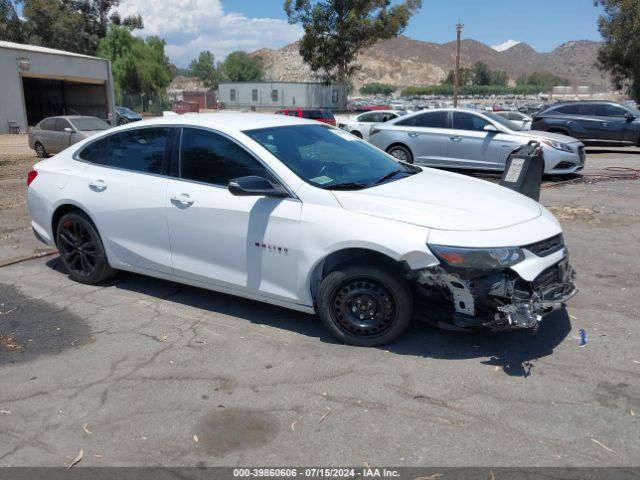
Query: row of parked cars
(446,137)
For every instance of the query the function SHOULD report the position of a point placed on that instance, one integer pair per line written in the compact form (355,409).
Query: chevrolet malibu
(302,215)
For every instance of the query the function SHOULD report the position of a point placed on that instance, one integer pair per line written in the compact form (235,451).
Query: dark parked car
(324,116)
(592,122)
(125,115)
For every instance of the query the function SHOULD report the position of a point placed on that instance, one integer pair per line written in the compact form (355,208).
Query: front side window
(140,150)
(329,158)
(607,110)
(468,121)
(61,124)
(211,158)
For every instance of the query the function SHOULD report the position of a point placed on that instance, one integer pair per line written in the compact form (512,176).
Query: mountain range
(403,61)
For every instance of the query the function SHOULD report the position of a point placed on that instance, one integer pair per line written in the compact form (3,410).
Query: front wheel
(401,152)
(81,249)
(364,305)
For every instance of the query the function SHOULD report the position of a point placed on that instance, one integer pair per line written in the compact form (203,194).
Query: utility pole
(456,78)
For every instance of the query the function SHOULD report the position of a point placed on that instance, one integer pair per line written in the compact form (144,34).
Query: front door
(245,244)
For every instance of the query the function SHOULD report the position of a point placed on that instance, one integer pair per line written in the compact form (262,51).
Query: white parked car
(302,215)
(520,119)
(361,125)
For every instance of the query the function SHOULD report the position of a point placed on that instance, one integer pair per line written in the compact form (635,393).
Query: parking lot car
(54,134)
(593,122)
(361,124)
(302,215)
(324,116)
(126,115)
(471,139)
(518,118)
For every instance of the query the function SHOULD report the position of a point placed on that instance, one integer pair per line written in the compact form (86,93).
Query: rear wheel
(364,305)
(81,249)
(356,133)
(401,152)
(123,121)
(40,150)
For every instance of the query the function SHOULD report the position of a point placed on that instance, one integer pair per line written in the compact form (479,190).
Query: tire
(382,298)
(356,133)
(41,152)
(123,121)
(81,249)
(401,152)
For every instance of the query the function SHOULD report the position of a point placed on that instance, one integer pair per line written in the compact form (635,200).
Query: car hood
(558,137)
(443,201)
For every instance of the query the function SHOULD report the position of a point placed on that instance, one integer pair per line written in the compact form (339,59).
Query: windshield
(86,124)
(503,121)
(330,158)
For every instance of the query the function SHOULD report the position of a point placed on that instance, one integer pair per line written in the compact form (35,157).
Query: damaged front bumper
(495,299)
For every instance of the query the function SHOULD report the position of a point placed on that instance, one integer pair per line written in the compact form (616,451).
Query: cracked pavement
(144,372)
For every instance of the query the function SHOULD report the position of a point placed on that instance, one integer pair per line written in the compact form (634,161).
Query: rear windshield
(86,124)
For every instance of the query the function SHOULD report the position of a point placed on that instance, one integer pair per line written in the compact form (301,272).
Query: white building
(38,82)
(277,95)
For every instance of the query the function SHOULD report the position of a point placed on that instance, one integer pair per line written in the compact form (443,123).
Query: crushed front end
(473,289)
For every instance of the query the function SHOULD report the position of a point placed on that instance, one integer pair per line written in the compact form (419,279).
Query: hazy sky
(190,26)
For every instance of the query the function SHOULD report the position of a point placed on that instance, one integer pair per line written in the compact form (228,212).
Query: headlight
(482,258)
(558,145)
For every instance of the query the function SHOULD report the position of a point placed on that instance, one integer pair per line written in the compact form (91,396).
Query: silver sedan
(471,139)
(54,134)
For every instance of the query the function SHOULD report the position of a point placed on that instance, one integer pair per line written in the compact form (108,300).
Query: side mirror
(68,130)
(630,116)
(254,186)
(490,128)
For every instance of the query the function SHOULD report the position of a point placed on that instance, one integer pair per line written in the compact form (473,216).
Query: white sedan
(360,125)
(520,119)
(302,215)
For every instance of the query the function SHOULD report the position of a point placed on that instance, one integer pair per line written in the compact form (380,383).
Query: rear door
(124,190)
(427,135)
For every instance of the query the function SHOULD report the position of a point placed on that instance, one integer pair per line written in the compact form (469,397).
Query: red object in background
(318,114)
(185,107)
(31,176)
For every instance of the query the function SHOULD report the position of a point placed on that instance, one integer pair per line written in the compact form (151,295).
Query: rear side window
(312,114)
(578,109)
(49,124)
(432,120)
(212,158)
(139,150)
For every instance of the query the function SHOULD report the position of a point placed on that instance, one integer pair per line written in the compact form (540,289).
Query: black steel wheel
(40,150)
(364,305)
(401,152)
(81,249)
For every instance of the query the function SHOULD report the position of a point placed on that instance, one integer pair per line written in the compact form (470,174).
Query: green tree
(480,74)
(138,66)
(10,25)
(542,80)
(377,88)
(465,77)
(335,31)
(72,25)
(204,68)
(620,29)
(239,66)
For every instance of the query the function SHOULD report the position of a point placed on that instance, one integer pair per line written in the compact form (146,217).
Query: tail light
(31,176)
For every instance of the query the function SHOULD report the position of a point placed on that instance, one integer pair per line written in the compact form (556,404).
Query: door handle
(98,184)
(182,198)
(455,139)
(413,135)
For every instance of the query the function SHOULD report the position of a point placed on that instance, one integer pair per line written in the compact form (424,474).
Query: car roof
(227,121)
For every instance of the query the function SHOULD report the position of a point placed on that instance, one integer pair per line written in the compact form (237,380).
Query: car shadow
(515,352)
